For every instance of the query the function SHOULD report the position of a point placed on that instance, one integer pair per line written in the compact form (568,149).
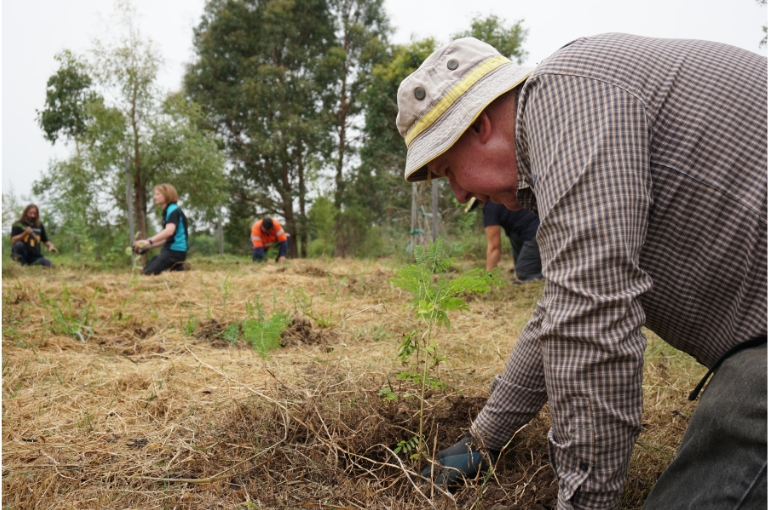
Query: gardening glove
(460,461)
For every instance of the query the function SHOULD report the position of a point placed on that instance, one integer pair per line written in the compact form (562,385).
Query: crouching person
(264,234)
(173,238)
(27,235)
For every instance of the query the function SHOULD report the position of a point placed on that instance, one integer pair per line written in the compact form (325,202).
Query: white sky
(33,31)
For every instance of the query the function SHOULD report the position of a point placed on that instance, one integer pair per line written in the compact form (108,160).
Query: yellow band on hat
(449,98)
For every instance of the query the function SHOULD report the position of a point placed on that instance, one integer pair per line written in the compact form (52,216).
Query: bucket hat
(444,96)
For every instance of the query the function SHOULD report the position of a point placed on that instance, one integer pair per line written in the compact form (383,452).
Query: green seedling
(191,325)
(232,333)
(226,287)
(433,295)
(408,445)
(264,335)
(387,395)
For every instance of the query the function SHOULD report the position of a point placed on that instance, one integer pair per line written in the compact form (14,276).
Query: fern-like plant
(261,332)
(433,294)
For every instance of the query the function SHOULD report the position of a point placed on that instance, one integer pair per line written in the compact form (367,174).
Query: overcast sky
(33,31)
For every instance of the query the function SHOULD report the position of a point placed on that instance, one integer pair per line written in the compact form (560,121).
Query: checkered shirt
(645,160)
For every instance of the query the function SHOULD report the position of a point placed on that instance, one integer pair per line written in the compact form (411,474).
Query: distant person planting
(173,238)
(27,234)
(266,233)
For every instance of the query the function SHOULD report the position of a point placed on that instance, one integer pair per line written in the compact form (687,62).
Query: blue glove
(460,461)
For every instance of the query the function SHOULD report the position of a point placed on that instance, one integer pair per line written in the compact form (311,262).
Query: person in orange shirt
(264,234)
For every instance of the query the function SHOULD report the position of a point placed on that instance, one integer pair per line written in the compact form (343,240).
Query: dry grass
(156,410)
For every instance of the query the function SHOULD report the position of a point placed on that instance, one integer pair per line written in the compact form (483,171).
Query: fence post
(434,210)
(129,202)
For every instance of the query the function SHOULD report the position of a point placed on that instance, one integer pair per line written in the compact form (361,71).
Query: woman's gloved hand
(460,461)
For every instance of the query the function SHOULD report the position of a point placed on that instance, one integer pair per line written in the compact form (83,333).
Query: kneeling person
(264,234)
(520,226)
(174,233)
(26,236)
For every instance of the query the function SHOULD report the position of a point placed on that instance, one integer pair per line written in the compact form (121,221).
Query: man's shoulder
(625,59)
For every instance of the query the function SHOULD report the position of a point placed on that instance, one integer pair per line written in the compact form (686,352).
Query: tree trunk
(302,235)
(290,218)
(343,111)
(139,194)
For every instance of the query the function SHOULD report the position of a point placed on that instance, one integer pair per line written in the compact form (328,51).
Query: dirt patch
(311,271)
(301,332)
(220,335)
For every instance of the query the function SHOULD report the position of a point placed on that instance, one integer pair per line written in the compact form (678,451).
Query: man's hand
(458,462)
(52,248)
(32,234)
(141,244)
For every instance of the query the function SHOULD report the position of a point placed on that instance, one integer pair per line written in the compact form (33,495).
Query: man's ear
(483,127)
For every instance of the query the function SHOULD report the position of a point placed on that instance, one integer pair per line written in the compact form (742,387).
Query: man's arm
(283,250)
(584,340)
(44,239)
(493,250)
(20,234)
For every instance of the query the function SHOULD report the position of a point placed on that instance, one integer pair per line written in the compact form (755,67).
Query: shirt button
(583,466)
(419,93)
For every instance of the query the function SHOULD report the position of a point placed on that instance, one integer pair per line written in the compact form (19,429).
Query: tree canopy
(157,134)
(284,104)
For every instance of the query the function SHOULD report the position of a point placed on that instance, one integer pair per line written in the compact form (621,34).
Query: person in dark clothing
(520,226)
(174,233)
(27,235)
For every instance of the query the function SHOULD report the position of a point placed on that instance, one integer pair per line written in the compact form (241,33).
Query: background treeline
(287,109)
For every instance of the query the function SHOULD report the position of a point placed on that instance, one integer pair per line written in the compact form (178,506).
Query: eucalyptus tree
(378,182)
(377,185)
(111,105)
(258,75)
(128,67)
(67,94)
(362,32)
(493,30)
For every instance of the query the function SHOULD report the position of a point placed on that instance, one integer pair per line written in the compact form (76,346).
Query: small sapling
(433,294)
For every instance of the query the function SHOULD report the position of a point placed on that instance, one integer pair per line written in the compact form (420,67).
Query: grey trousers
(721,463)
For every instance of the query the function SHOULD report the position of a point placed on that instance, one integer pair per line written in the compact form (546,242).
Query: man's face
(484,170)
(32,213)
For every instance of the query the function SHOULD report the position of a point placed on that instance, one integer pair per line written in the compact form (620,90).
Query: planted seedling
(434,294)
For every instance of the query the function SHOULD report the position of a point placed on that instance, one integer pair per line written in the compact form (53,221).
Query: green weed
(75,324)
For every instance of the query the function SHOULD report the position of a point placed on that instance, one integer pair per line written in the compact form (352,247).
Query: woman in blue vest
(173,237)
